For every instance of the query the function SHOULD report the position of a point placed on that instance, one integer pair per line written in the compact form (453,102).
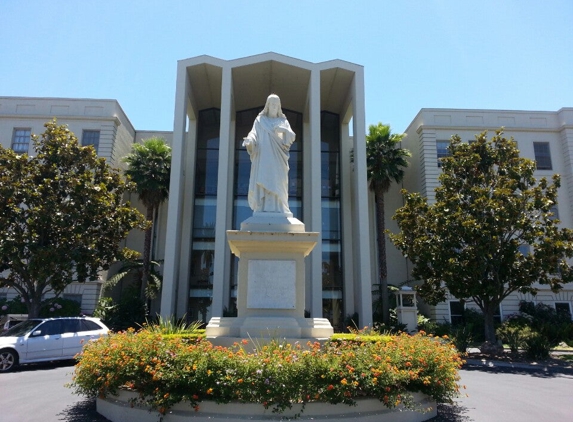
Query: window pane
(91,137)
(563,308)
(204,218)
(330,174)
(542,155)
(21,140)
(456,312)
(330,220)
(206,172)
(442,150)
(202,263)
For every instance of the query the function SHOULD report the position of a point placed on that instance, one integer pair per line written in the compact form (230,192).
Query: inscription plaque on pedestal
(271,284)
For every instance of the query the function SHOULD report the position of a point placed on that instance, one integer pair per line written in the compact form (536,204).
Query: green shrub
(13,306)
(49,308)
(426,324)
(545,320)
(59,307)
(462,337)
(167,370)
(171,326)
(129,312)
(536,345)
(513,334)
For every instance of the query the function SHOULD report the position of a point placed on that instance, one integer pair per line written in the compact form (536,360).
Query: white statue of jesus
(268,145)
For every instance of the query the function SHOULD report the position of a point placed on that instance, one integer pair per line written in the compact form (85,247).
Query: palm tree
(386,162)
(149,167)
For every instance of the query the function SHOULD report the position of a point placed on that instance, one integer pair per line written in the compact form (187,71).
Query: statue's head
(273,107)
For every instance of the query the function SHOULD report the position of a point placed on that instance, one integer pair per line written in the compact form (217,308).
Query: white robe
(269,152)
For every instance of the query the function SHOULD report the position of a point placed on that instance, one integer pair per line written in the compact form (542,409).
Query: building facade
(101,123)
(216,104)
(546,137)
(215,107)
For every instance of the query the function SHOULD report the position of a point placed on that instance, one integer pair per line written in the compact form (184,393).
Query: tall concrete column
(362,222)
(313,183)
(224,194)
(176,195)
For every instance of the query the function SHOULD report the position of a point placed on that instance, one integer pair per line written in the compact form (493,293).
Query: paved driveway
(507,394)
(37,393)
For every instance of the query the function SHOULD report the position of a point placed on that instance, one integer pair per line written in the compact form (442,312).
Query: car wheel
(8,360)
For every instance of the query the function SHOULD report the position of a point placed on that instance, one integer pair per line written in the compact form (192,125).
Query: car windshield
(21,329)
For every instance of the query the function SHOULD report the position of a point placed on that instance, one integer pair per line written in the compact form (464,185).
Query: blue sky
(487,54)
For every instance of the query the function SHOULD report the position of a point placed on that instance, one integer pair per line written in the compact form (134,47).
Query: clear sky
(487,54)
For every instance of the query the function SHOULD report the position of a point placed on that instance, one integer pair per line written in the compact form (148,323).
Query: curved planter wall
(118,409)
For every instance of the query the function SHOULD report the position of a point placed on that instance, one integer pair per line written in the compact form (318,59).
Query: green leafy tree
(490,232)
(149,166)
(63,216)
(386,162)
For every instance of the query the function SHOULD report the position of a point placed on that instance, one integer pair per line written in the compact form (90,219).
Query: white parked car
(40,340)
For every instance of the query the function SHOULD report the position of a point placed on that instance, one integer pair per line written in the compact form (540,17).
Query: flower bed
(166,371)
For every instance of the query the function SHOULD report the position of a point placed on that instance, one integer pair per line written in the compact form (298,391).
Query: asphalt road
(37,393)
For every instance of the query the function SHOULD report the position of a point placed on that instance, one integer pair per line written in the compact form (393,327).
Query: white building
(101,123)
(546,137)
(216,104)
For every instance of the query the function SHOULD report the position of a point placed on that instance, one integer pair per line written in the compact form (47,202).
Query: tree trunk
(381,241)
(146,254)
(488,312)
(34,306)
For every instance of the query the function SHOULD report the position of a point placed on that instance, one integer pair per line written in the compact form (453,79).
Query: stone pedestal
(271,283)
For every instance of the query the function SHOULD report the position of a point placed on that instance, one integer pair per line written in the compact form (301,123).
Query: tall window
(542,155)
(456,312)
(442,151)
(563,308)
(91,137)
(21,140)
(332,281)
(204,215)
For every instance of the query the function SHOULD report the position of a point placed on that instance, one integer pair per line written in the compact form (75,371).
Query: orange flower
(209,391)
(343,381)
(240,380)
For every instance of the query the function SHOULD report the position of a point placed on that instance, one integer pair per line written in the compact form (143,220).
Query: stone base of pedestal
(269,327)
(273,222)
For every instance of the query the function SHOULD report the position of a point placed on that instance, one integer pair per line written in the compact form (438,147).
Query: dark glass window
(332,279)
(87,325)
(75,297)
(563,308)
(204,215)
(456,312)
(71,326)
(91,137)
(542,155)
(21,140)
(51,328)
(442,151)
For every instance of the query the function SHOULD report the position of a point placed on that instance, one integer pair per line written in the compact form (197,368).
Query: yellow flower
(343,381)
(209,391)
